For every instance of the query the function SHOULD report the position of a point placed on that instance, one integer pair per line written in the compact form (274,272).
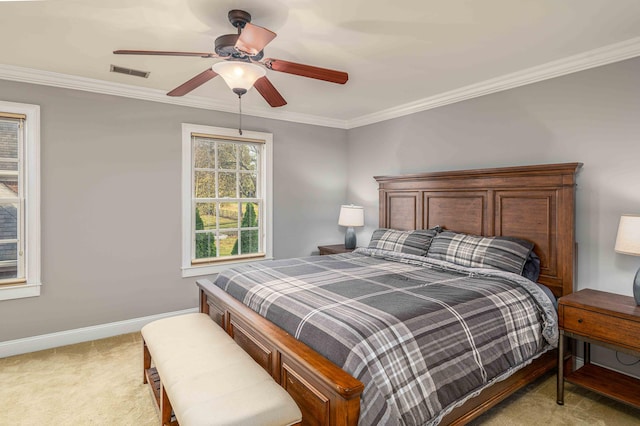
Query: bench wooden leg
(146,362)
(165,408)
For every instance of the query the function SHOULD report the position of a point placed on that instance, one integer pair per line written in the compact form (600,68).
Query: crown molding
(48,78)
(591,59)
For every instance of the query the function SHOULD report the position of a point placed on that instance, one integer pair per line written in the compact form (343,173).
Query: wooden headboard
(536,203)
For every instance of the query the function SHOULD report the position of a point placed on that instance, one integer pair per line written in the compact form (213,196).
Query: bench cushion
(210,380)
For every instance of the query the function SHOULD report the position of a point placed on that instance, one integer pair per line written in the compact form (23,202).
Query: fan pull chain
(240,114)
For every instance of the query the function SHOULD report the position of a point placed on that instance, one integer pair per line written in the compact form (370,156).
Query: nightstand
(334,249)
(605,319)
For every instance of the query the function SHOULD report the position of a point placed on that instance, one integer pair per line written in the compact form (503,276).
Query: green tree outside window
(205,242)
(249,242)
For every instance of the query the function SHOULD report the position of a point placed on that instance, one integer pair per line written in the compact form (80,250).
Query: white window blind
(19,200)
(12,269)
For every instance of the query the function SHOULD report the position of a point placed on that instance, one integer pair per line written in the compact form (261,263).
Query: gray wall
(111,205)
(111,184)
(592,117)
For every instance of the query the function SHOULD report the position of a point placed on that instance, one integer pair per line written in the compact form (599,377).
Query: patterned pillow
(410,242)
(504,253)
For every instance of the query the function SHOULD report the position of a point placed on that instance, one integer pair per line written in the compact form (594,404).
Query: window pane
(226,156)
(8,271)
(8,252)
(229,215)
(205,216)
(248,182)
(9,138)
(227,182)
(249,239)
(205,185)
(249,215)
(8,186)
(9,219)
(249,242)
(8,222)
(228,242)
(248,157)
(205,245)
(204,154)
(8,165)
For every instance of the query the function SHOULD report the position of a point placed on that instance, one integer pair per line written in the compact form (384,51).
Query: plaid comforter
(422,335)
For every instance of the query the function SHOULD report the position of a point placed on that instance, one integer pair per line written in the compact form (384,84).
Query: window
(226,208)
(19,200)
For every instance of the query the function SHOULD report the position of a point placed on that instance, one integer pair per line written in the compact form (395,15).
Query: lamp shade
(351,216)
(238,74)
(628,239)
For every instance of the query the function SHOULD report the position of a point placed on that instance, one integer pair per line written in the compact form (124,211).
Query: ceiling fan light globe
(239,75)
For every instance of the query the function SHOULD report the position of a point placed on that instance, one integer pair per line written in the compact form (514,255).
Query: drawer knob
(580,321)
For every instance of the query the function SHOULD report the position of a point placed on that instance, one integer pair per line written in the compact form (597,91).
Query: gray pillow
(503,253)
(410,242)
(532,267)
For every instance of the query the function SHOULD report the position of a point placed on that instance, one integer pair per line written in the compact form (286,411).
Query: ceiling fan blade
(195,82)
(325,74)
(165,53)
(269,93)
(253,39)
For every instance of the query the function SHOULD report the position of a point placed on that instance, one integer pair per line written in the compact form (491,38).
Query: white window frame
(266,182)
(31,201)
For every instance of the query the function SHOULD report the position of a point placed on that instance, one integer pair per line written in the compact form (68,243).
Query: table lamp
(628,242)
(351,216)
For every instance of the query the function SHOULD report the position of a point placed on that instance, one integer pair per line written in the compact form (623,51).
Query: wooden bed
(530,202)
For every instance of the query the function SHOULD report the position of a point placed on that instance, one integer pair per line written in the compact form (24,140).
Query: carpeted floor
(92,383)
(100,383)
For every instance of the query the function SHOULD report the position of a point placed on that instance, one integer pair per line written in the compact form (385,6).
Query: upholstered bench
(205,378)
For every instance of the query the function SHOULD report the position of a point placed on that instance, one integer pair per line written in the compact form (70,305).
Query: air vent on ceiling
(129,71)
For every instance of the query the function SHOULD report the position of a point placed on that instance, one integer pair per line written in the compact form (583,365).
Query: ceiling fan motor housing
(225,44)
(225,47)
(239,18)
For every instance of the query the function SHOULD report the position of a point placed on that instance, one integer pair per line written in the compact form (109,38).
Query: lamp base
(350,239)
(636,287)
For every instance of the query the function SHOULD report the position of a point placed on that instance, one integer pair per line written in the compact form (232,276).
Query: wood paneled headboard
(536,203)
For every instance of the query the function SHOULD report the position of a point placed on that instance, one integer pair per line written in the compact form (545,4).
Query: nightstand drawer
(334,249)
(603,327)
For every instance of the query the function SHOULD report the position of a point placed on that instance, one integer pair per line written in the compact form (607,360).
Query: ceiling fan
(245,51)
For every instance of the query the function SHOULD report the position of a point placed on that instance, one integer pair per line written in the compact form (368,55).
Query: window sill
(214,268)
(19,291)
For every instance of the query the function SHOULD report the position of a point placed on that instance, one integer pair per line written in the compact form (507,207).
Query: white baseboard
(78,335)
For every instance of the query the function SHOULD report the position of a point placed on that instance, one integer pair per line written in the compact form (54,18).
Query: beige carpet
(100,383)
(92,383)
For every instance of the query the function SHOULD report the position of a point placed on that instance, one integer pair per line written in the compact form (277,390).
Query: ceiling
(396,53)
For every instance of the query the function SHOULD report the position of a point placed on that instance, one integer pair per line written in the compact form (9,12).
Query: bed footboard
(325,393)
